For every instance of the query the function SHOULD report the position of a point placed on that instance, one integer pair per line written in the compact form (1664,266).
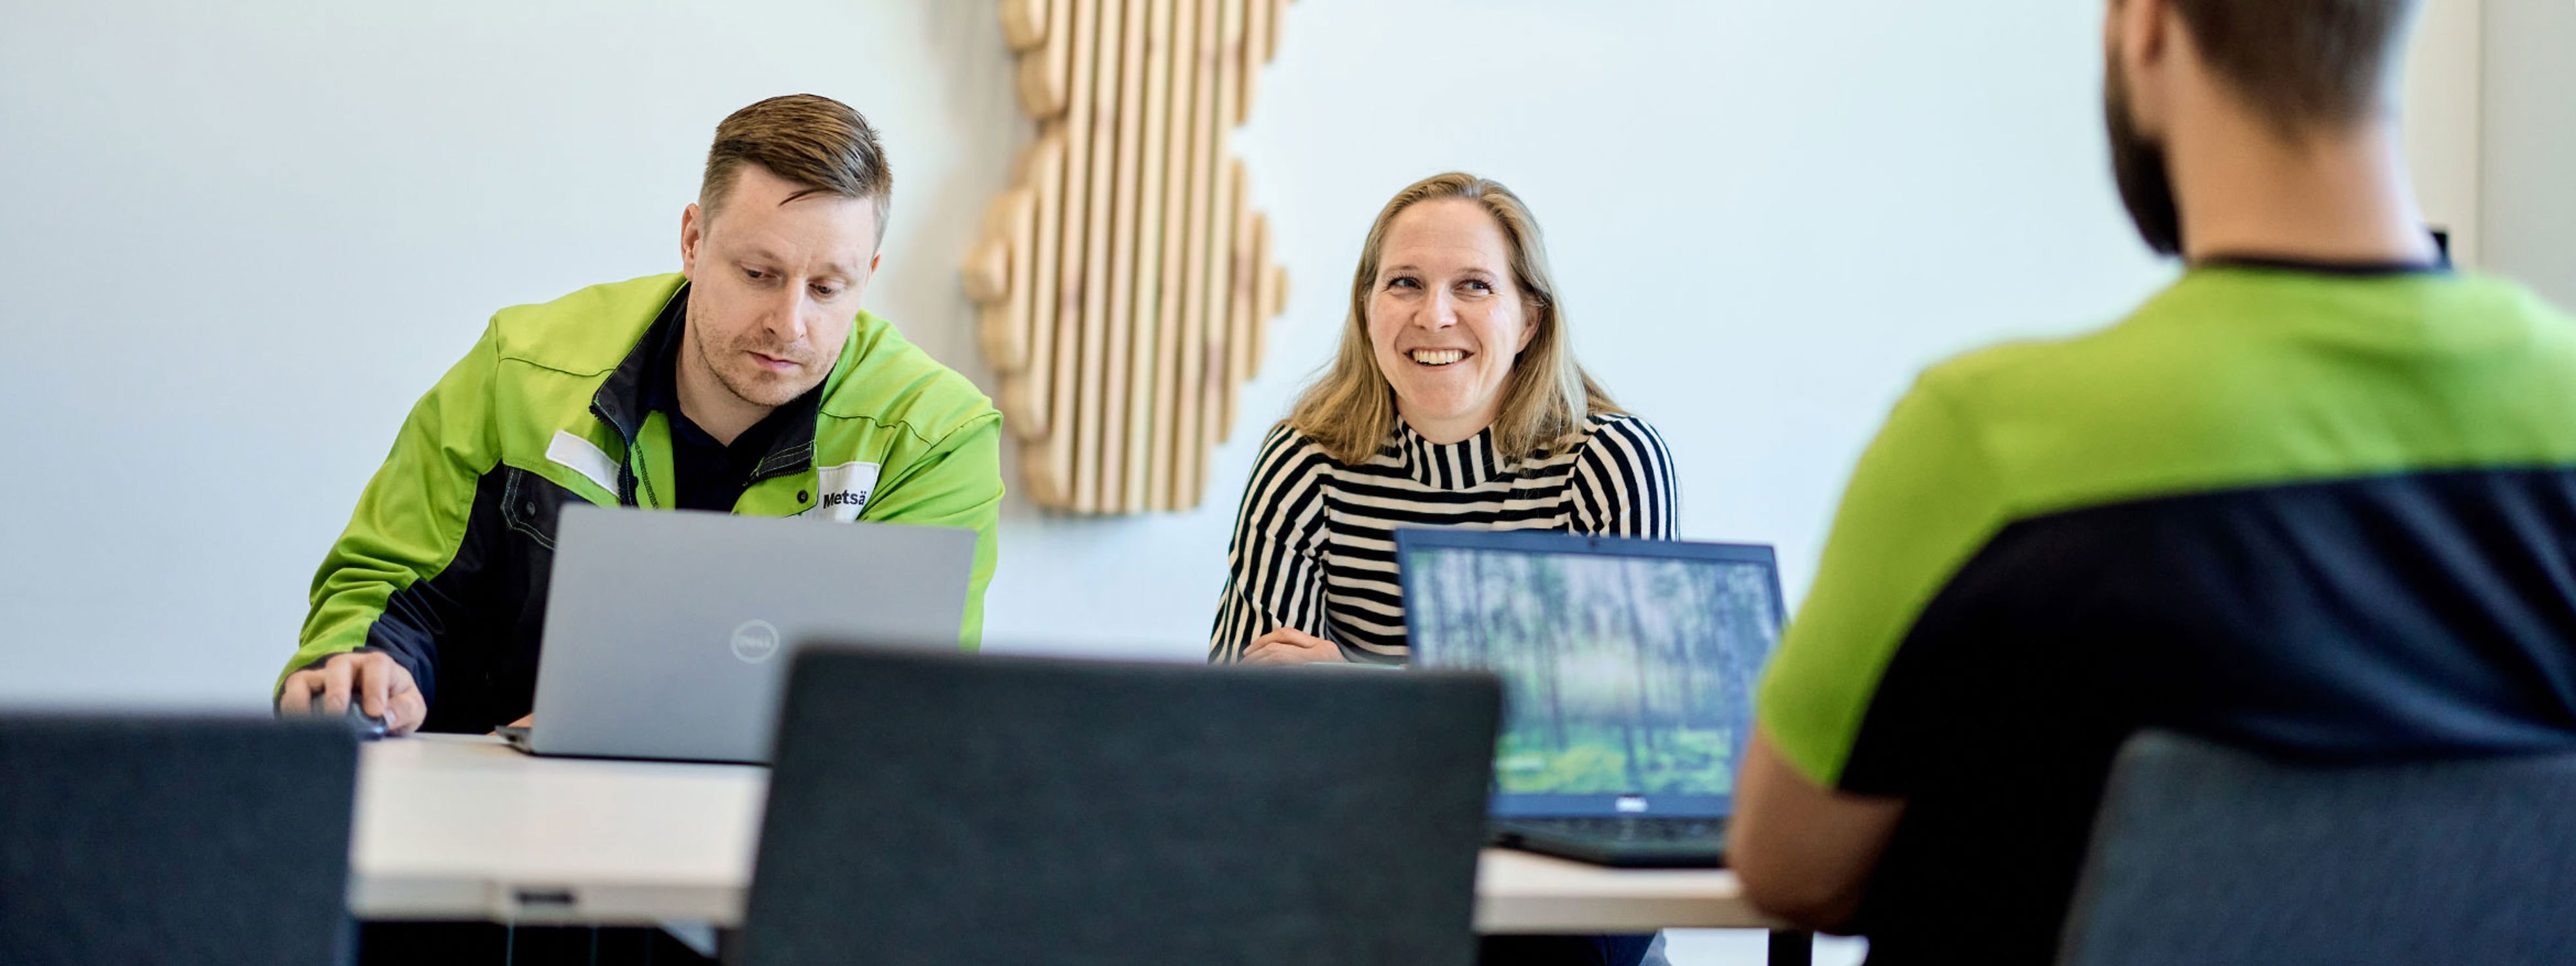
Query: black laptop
(1628,670)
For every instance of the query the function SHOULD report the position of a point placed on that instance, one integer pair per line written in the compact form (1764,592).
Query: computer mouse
(367,725)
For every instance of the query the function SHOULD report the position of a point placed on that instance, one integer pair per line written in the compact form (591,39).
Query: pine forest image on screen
(1624,675)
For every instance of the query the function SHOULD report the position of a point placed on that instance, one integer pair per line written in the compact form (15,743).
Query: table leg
(1792,948)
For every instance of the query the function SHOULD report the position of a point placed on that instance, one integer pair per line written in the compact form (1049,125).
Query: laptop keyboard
(1618,828)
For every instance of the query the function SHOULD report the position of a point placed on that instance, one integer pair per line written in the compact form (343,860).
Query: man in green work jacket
(750,382)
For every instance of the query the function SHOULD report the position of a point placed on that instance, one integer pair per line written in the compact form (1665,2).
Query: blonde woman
(1455,401)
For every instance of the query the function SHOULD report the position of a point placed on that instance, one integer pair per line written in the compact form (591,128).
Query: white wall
(247,236)
(2528,189)
(246,239)
(1767,216)
(2443,107)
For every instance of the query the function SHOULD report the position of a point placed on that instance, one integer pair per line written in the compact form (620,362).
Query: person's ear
(2147,49)
(693,229)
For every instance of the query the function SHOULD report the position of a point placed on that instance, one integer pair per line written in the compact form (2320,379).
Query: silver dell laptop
(668,634)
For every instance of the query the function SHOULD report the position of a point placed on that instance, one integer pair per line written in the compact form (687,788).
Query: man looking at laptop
(749,382)
(2314,499)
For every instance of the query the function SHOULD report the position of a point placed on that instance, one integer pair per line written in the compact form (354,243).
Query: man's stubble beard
(751,393)
(2138,166)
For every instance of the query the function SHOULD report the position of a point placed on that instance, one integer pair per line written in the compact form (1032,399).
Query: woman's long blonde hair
(1547,397)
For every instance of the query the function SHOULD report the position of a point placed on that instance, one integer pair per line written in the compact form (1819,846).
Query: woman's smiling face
(1446,320)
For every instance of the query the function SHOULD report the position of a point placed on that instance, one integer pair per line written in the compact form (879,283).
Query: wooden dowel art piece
(1124,279)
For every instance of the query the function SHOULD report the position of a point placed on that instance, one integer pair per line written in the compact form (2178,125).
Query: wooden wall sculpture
(1124,279)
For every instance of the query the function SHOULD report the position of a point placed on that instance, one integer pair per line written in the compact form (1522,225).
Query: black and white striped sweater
(1313,544)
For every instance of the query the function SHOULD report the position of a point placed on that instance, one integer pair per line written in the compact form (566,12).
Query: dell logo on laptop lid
(755,641)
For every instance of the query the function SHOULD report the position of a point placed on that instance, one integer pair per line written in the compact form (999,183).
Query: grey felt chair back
(2210,855)
(174,840)
(946,809)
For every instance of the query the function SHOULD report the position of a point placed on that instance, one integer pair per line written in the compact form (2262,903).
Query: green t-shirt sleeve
(1924,498)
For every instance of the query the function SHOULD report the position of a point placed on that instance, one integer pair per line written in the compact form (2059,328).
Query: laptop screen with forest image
(1628,666)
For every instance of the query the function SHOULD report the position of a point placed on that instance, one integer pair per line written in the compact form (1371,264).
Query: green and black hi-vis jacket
(445,563)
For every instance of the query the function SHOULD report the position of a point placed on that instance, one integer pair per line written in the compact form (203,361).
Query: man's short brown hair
(2302,63)
(816,143)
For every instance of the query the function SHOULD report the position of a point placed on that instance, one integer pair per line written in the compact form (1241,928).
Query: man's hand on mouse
(374,680)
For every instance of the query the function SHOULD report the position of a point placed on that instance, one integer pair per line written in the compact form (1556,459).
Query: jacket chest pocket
(530,504)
